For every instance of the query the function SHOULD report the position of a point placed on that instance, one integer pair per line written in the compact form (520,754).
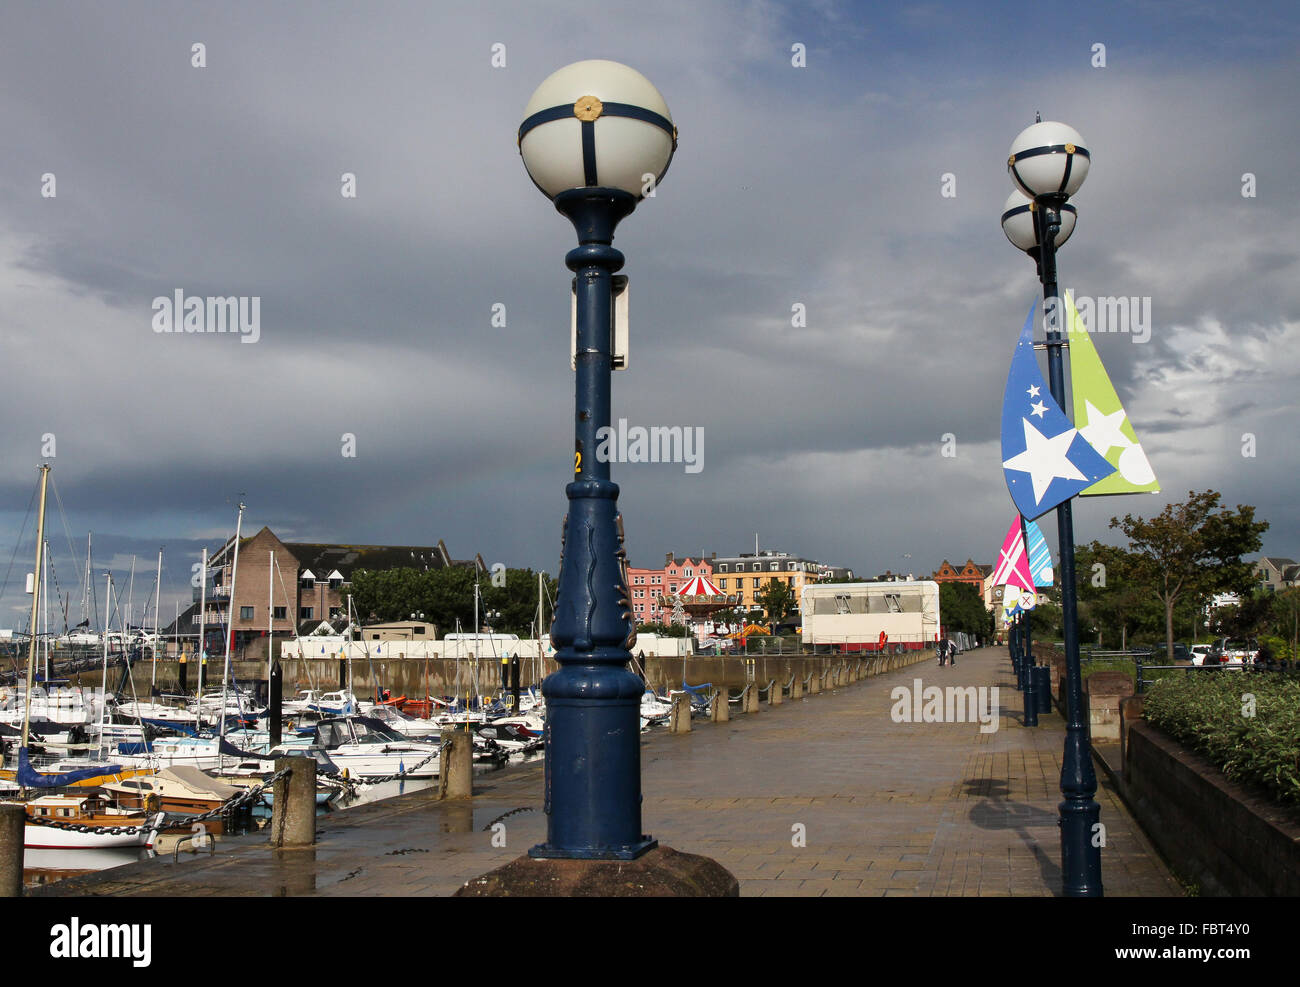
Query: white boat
(89,811)
(408,726)
(366,748)
(61,705)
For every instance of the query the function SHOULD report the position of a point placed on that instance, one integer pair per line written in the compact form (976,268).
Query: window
(790,566)
(755,580)
(689,573)
(336,583)
(305,613)
(280,613)
(722,584)
(774,566)
(245,613)
(335,612)
(723,567)
(308,582)
(374,637)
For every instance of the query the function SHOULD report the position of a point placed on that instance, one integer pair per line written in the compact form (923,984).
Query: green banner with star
(1100,417)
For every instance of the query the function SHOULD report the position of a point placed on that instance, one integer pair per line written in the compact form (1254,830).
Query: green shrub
(1210,712)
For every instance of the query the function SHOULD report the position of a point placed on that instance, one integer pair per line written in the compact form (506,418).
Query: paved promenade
(822,796)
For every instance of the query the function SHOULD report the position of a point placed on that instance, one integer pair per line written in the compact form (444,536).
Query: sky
(863,435)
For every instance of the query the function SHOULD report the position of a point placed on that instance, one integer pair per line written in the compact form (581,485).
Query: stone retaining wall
(1212,831)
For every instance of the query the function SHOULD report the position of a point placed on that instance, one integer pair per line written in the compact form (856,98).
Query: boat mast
(45,594)
(202,653)
(157,591)
(352,691)
(36,597)
(103,688)
(230,623)
(85,590)
(270,622)
(130,607)
(541,663)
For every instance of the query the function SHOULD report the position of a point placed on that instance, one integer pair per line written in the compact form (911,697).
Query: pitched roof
(323,559)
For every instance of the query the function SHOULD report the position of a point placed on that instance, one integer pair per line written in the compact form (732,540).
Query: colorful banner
(1013,570)
(1044,458)
(1106,425)
(1040,557)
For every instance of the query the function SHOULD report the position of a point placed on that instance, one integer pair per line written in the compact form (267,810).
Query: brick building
(308,585)
(647,585)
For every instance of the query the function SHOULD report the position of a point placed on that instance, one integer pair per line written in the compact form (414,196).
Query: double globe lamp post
(1048,163)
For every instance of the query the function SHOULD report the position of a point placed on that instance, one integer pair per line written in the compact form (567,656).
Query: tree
(777,598)
(1192,549)
(1111,594)
(961,608)
(446,596)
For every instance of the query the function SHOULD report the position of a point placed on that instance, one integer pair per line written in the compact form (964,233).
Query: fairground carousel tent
(695,603)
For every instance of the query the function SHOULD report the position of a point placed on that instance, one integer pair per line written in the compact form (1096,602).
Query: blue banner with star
(1044,458)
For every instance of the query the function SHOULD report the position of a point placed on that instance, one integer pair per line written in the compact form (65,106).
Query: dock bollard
(776,693)
(815,683)
(13,829)
(718,705)
(456,765)
(1043,688)
(796,686)
(679,720)
(293,810)
(751,703)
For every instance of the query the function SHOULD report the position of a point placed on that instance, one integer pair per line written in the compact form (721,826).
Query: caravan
(879,616)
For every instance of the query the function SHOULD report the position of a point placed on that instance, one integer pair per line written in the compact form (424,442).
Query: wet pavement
(827,795)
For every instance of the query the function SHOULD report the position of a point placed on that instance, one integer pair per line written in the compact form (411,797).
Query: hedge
(1246,724)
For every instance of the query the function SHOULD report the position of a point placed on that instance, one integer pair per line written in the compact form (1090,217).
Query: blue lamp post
(1048,163)
(596,139)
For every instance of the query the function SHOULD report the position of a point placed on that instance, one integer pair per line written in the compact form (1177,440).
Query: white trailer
(871,616)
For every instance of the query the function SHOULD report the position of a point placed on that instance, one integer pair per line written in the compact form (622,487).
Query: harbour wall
(449,677)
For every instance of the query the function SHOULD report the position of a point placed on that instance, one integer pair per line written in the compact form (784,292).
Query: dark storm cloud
(817,187)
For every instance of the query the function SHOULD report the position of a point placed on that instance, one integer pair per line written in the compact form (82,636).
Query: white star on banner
(1033,391)
(1103,431)
(1045,459)
(1039,409)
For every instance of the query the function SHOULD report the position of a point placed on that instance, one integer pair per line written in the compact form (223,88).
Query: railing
(1279,668)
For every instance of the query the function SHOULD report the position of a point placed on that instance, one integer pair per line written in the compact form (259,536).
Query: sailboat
(67,773)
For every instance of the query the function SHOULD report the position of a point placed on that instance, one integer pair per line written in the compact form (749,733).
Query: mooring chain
(408,771)
(83,828)
(507,815)
(235,801)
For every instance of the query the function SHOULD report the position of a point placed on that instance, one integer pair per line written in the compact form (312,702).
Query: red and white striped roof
(699,586)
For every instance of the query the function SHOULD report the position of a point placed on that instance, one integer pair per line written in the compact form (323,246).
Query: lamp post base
(658,873)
